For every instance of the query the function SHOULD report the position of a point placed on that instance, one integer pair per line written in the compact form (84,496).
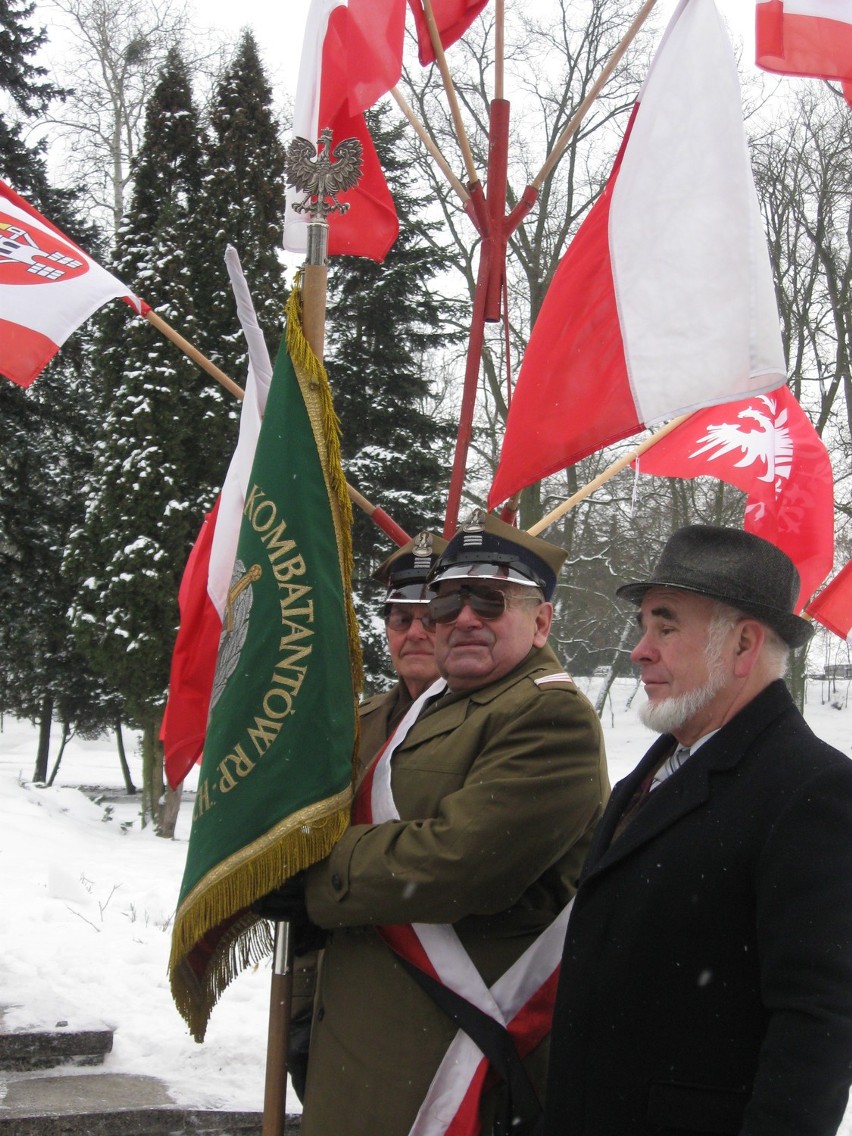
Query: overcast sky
(279,27)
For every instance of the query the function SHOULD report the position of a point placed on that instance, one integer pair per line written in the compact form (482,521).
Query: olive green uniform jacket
(378,717)
(498,792)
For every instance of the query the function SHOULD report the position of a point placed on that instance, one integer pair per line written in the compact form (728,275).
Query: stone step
(43,1049)
(111,1104)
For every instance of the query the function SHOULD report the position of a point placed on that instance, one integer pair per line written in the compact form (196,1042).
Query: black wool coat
(706,984)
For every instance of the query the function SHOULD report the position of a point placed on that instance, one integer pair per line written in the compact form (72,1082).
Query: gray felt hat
(733,566)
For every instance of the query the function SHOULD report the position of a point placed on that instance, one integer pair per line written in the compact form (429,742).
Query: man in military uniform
(411,645)
(410,636)
(468,834)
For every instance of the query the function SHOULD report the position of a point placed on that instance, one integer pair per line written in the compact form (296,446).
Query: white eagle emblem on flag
(768,442)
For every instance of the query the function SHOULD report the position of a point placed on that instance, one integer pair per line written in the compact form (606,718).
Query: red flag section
(833,606)
(452,18)
(812,38)
(193,661)
(352,55)
(48,287)
(664,301)
(767,447)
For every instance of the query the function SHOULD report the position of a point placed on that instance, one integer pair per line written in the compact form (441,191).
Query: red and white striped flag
(203,595)
(351,56)
(48,287)
(664,301)
(812,38)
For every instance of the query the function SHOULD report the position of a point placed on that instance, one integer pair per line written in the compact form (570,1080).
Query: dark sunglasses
(400,617)
(487,603)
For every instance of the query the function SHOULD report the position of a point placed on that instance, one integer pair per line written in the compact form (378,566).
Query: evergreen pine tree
(244,203)
(385,325)
(166,429)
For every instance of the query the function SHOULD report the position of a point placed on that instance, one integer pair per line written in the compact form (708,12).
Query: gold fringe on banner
(215,935)
(316,392)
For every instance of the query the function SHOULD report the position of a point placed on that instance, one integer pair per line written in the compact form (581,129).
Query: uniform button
(336,882)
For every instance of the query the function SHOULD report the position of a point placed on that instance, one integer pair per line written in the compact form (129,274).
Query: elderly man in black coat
(706,984)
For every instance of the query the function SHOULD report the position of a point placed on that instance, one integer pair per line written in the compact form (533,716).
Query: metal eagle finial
(321,173)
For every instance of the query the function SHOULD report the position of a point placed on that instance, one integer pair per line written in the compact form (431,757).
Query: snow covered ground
(88,898)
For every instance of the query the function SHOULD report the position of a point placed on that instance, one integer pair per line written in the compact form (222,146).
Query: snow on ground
(88,899)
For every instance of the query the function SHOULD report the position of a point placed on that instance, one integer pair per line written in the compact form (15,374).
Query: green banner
(275,779)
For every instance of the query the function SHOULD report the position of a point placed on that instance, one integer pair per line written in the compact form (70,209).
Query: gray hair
(775,650)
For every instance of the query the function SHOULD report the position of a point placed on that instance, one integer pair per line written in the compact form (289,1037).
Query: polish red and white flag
(48,288)
(664,301)
(767,447)
(812,38)
(351,56)
(203,594)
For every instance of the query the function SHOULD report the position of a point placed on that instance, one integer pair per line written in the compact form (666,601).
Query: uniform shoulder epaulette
(560,676)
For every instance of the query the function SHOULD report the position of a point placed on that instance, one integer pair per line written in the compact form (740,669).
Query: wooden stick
(169,332)
(610,472)
(499,48)
(582,110)
(430,145)
(441,60)
(317,317)
(278,1034)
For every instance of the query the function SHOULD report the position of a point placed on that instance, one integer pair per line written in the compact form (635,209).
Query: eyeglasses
(487,603)
(400,617)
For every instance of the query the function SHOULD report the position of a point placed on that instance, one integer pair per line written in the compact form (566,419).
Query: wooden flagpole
(427,140)
(446,78)
(602,478)
(314,316)
(595,89)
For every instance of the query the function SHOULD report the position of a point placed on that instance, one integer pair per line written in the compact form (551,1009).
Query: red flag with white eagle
(48,287)
(664,301)
(351,56)
(767,447)
(203,595)
(812,38)
(833,606)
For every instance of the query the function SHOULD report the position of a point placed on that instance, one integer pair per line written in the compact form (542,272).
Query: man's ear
(543,620)
(750,637)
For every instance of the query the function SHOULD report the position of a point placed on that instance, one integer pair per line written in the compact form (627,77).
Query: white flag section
(48,287)
(685,232)
(223,550)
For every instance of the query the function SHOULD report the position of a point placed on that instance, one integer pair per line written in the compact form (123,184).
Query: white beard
(670,714)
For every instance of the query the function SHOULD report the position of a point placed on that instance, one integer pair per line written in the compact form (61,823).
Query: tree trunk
(169,812)
(122,757)
(40,771)
(67,735)
(159,803)
(796,677)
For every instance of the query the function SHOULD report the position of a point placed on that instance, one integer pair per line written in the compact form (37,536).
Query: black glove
(286,904)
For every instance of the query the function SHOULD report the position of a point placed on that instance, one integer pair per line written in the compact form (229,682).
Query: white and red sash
(521,1000)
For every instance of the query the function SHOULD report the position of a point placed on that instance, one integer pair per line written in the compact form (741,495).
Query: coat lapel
(687,790)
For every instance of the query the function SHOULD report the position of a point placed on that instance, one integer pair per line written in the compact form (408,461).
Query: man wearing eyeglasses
(446,898)
(410,639)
